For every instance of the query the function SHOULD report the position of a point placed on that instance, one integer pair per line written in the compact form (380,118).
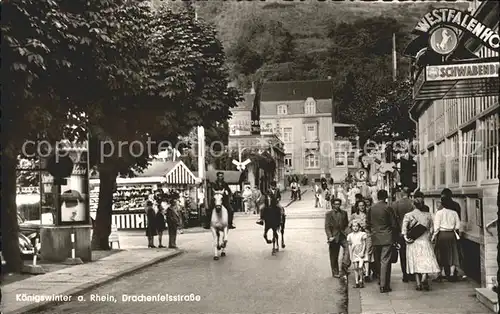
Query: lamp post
(241,165)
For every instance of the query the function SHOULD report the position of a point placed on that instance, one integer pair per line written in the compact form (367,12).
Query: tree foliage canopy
(115,71)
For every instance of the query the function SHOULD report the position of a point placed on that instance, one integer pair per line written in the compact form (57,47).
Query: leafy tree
(186,86)
(47,85)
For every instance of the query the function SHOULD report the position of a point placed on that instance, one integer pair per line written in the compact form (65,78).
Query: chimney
(252,91)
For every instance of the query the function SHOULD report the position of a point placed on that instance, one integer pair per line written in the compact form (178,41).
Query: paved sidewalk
(444,298)
(78,279)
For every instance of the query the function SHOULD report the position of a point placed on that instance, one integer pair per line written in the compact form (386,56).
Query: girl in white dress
(357,251)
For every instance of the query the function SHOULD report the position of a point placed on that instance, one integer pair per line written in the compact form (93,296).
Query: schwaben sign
(461,20)
(462,71)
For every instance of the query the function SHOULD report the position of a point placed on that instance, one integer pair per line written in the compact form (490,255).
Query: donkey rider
(219,185)
(275,193)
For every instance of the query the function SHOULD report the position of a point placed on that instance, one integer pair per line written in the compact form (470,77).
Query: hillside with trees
(279,40)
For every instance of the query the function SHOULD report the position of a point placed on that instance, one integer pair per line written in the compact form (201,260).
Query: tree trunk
(102,228)
(10,228)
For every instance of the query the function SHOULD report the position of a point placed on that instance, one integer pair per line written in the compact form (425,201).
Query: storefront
(132,193)
(264,159)
(456,84)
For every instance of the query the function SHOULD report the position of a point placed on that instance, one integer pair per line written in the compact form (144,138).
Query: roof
(246,104)
(342,125)
(296,107)
(296,90)
(170,172)
(157,168)
(231,177)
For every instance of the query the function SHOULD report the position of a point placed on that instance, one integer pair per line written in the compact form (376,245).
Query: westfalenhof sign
(461,20)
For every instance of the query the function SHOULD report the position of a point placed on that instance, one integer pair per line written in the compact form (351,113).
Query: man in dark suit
(401,207)
(382,222)
(336,223)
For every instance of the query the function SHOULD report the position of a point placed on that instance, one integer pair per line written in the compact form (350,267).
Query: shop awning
(181,175)
(471,79)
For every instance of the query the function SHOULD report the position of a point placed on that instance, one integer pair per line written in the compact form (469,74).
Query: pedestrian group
(375,235)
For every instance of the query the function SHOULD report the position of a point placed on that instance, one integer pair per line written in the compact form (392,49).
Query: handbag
(416,230)
(394,254)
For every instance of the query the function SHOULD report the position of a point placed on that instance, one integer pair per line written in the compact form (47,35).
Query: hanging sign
(459,19)
(462,71)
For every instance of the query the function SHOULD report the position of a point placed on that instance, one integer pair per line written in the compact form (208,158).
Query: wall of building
(292,130)
(459,149)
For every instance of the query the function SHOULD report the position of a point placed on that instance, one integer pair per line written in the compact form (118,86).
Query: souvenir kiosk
(131,194)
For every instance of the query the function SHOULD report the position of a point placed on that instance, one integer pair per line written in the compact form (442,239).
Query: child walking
(357,251)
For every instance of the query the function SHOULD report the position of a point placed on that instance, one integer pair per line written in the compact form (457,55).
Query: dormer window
(310,106)
(282,109)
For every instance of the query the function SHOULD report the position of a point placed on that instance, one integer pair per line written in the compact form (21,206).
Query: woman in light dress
(357,252)
(420,257)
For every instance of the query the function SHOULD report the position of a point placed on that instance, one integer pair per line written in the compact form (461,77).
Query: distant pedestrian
(383,225)
(173,220)
(181,209)
(151,230)
(357,252)
(372,270)
(160,224)
(446,235)
(417,229)
(318,192)
(328,198)
(336,223)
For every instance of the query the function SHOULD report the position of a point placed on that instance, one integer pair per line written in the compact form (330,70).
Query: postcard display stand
(69,239)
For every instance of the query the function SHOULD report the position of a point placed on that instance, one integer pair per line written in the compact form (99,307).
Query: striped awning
(180,174)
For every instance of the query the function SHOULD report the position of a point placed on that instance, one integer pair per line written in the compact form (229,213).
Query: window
(423,171)
(310,106)
(431,169)
(311,132)
(470,147)
(288,161)
(351,159)
(431,132)
(468,109)
(451,115)
(340,159)
(491,137)
(287,135)
(282,109)
(453,157)
(440,120)
(312,161)
(442,163)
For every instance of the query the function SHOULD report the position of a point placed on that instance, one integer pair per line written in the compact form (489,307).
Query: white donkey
(219,223)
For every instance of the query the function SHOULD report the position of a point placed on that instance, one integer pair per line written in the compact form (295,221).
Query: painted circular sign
(362,175)
(443,40)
